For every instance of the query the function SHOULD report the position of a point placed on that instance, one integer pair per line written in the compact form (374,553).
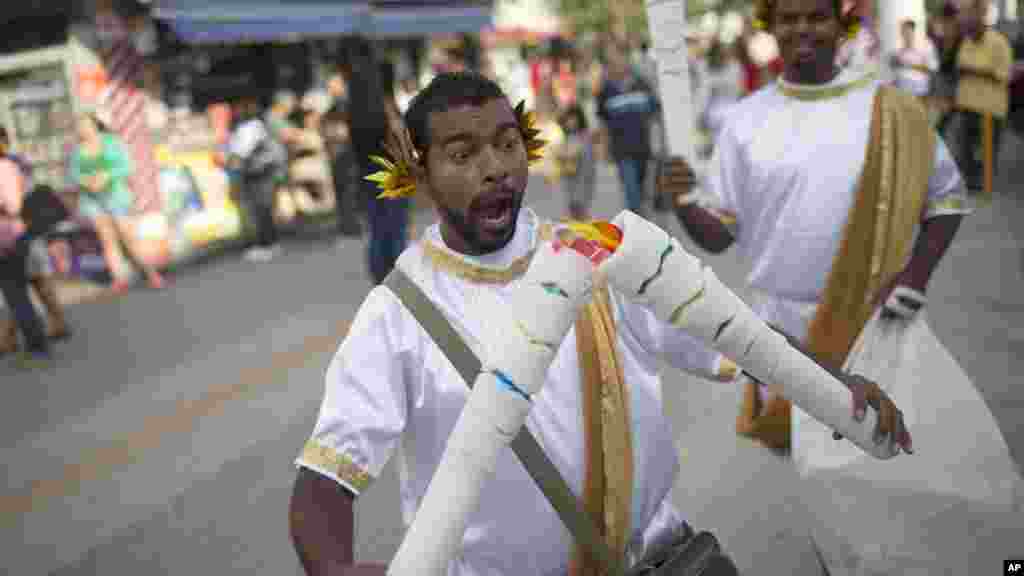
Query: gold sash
(607,434)
(875,247)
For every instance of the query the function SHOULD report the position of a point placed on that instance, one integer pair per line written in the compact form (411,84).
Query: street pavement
(162,440)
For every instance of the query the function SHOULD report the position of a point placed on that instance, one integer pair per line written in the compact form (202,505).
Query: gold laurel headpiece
(396,180)
(762,8)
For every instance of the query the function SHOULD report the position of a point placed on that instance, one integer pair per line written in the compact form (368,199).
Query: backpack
(268,158)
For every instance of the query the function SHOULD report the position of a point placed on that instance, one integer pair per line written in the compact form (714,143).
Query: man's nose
(492,167)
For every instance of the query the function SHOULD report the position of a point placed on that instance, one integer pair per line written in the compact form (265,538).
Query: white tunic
(788,170)
(390,391)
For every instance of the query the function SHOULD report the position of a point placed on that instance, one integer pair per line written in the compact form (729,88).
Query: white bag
(952,507)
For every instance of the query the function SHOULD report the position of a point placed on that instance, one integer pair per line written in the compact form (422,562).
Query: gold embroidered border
(341,465)
(818,93)
(446,262)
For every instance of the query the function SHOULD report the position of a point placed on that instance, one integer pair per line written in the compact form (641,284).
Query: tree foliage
(595,16)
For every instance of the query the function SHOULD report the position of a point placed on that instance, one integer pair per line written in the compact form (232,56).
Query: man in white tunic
(789,169)
(842,200)
(390,392)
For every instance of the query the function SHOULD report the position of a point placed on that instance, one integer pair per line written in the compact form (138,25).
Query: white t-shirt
(246,137)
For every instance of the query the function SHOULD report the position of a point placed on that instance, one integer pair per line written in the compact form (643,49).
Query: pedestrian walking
(101,168)
(338,135)
(372,101)
(43,210)
(15,243)
(575,163)
(261,162)
(983,66)
(628,106)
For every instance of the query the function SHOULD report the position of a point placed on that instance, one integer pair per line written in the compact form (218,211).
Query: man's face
(618,67)
(908,36)
(808,33)
(336,86)
(476,173)
(977,16)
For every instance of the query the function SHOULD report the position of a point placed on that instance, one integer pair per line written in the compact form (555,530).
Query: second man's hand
(890,425)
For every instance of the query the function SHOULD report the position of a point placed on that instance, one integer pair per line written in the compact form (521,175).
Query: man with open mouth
(389,379)
(391,389)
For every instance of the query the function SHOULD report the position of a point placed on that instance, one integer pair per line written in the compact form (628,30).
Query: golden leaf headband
(761,24)
(396,179)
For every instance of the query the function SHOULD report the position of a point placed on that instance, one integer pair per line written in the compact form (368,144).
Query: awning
(429,17)
(232,21)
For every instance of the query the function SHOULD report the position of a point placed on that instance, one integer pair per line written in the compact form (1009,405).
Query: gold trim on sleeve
(341,465)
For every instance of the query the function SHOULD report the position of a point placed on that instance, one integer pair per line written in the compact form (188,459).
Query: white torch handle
(491,419)
(667,19)
(652,268)
(523,341)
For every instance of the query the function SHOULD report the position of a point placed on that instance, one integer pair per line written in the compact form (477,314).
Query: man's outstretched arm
(650,267)
(322,526)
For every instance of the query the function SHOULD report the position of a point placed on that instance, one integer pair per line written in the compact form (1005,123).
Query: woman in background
(575,163)
(100,167)
(372,93)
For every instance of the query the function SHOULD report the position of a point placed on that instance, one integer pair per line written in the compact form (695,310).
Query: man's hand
(890,419)
(676,179)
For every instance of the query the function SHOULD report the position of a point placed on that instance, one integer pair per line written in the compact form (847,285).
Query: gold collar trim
(827,92)
(444,260)
(449,263)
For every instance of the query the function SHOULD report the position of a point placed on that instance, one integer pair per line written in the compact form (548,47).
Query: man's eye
(511,144)
(458,155)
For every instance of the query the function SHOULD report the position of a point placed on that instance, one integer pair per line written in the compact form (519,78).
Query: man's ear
(421,173)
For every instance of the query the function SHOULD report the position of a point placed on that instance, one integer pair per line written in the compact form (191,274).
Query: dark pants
(346,191)
(14,284)
(259,197)
(389,222)
(632,175)
(972,148)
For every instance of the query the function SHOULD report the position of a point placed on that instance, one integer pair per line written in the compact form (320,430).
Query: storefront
(41,91)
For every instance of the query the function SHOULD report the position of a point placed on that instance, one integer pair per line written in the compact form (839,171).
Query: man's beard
(459,221)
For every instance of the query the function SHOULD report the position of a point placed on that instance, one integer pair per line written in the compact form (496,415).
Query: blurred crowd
(304,155)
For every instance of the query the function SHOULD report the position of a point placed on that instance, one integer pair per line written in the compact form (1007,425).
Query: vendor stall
(42,90)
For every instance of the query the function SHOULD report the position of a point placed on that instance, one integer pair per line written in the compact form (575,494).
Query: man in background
(339,146)
(983,65)
(627,106)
